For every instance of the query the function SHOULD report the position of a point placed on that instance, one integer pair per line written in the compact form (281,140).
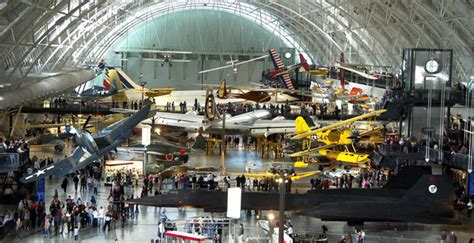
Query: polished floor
(144,227)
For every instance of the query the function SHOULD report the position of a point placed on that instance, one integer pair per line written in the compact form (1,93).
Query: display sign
(234,201)
(146,135)
(471,184)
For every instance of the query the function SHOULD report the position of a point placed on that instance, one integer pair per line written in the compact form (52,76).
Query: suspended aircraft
(233,64)
(91,148)
(225,91)
(166,55)
(413,195)
(332,136)
(281,71)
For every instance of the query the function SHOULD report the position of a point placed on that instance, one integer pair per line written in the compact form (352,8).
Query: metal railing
(447,157)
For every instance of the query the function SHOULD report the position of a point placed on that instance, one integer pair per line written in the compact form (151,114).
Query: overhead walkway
(393,155)
(102,109)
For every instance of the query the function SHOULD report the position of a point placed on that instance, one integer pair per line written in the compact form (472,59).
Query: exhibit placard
(234,200)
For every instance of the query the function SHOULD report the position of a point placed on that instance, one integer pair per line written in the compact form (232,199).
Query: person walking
(76,233)
(108,220)
(443,237)
(64,184)
(76,182)
(453,238)
(47,233)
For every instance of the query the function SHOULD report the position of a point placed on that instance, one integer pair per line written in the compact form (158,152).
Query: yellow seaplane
(340,134)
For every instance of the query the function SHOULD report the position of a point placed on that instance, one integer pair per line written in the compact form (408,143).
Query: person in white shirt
(36,165)
(101,215)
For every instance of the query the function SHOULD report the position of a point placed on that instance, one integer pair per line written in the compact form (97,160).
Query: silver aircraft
(212,121)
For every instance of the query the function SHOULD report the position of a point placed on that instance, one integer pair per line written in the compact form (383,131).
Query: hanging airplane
(91,148)
(281,71)
(332,136)
(231,92)
(233,64)
(413,195)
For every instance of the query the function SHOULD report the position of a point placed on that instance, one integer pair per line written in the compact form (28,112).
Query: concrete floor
(144,227)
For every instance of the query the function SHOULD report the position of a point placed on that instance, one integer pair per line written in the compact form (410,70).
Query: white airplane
(212,121)
(233,64)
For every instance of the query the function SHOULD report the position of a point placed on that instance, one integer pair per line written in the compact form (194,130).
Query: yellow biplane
(337,134)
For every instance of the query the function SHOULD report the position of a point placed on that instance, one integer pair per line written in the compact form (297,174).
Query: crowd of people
(373,178)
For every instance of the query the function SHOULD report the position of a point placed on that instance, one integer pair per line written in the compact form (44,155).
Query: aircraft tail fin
(118,79)
(430,188)
(301,126)
(222,91)
(210,109)
(125,81)
(304,63)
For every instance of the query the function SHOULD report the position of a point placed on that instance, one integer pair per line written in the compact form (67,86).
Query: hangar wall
(185,76)
(210,37)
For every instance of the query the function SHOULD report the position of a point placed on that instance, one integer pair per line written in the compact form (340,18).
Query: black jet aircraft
(411,196)
(91,148)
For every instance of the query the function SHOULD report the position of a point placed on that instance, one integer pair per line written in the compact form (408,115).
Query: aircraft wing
(79,159)
(155,92)
(369,133)
(269,127)
(304,174)
(123,110)
(338,124)
(233,65)
(177,120)
(365,75)
(313,150)
(215,69)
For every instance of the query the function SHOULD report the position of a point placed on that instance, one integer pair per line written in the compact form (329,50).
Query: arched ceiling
(45,35)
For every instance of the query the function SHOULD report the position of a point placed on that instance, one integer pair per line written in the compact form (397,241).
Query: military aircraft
(212,121)
(413,195)
(91,148)
(332,136)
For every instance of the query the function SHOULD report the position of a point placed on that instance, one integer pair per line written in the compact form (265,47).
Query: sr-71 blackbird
(413,195)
